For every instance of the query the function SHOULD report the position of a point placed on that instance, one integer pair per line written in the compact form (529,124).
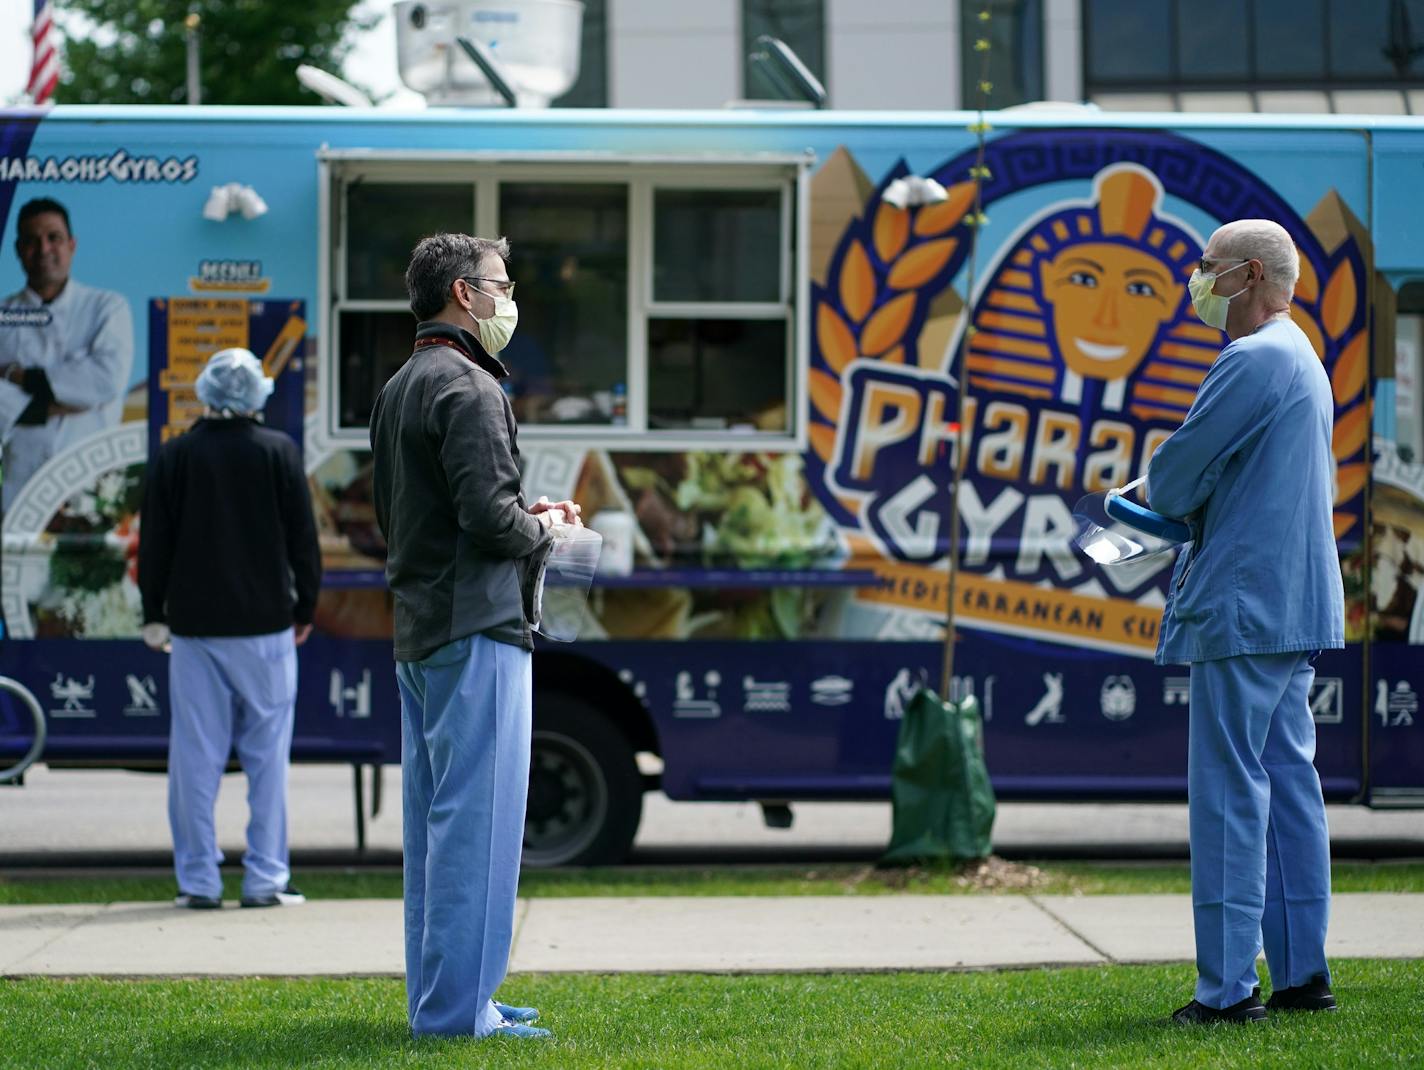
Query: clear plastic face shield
(561,590)
(1114,530)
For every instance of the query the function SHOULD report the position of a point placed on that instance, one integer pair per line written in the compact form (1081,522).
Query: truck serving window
(568,360)
(654,299)
(719,326)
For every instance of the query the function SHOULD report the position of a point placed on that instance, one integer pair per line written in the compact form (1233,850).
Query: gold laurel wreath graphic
(1328,314)
(912,246)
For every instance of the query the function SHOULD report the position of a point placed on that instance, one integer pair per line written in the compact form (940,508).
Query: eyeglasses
(505,285)
(1207,261)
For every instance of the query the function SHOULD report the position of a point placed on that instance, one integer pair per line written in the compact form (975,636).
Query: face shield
(561,590)
(1114,530)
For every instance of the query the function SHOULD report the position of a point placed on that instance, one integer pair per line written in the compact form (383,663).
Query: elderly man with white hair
(1256,595)
(229,568)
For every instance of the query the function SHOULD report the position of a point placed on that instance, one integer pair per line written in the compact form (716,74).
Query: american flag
(44,71)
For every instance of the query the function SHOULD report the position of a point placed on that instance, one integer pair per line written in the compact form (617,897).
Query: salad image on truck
(735,352)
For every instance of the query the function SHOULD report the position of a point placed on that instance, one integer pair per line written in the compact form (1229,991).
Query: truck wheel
(585,791)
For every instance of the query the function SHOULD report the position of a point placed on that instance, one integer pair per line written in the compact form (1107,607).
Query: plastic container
(620,405)
(561,591)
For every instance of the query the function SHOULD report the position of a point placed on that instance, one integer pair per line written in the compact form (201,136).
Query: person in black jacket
(229,569)
(463,554)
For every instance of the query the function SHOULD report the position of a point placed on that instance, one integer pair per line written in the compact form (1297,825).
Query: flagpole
(44,65)
(191,26)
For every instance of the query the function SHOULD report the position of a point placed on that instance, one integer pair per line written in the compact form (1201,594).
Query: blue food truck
(740,348)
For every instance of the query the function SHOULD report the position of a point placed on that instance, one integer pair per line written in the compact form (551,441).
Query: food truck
(741,348)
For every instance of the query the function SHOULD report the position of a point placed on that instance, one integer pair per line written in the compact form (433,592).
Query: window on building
(1015,57)
(1127,40)
(1211,46)
(1294,51)
(650,301)
(590,90)
(1249,44)
(1359,35)
(799,23)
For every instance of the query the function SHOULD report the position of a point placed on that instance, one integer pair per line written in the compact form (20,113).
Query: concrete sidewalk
(664,934)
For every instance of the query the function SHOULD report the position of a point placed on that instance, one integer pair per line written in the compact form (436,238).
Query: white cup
(618,531)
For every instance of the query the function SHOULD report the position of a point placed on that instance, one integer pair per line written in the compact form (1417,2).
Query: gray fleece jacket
(463,550)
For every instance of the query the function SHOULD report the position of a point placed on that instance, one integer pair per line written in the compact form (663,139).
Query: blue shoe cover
(520,1015)
(521,1032)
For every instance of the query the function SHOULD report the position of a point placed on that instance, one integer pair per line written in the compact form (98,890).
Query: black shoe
(197,902)
(1249,1009)
(1314,995)
(285,897)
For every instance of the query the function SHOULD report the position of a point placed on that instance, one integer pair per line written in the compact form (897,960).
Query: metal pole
(28,700)
(959,460)
(191,26)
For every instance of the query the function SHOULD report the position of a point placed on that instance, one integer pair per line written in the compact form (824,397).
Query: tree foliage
(249,49)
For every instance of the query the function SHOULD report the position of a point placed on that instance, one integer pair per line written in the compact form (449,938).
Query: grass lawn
(1052,879)
(1095,1017)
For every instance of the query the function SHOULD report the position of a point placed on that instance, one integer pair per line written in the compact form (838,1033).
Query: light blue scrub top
(1252,469)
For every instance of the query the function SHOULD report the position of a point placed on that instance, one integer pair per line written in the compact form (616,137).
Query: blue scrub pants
(466,718)
(231,692)
(1260,846)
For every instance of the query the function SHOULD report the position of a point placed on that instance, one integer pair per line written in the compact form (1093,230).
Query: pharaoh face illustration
(1107,302)
(1096,291)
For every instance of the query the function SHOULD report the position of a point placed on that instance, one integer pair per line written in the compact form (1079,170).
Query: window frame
(643,175)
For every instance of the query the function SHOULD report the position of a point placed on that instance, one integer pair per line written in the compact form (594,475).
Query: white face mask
(495,332)
(1212,308)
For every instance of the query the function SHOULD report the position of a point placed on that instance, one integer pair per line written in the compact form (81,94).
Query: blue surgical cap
(233,380)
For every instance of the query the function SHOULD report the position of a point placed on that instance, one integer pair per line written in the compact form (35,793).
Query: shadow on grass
(331,1040)
(1129,1039)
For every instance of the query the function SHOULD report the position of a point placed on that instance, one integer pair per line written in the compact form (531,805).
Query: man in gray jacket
(464,551)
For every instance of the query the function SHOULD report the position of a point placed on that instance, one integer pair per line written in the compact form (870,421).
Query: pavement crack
(1092,946)
(83,919)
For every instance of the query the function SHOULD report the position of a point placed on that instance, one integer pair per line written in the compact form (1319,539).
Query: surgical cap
(233,380)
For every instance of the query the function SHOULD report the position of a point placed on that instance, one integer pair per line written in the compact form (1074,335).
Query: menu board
(185,331)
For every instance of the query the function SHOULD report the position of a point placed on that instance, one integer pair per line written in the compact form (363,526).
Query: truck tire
(585,791)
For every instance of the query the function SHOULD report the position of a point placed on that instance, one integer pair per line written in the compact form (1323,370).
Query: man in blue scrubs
(229,562)
(1254,598)
(464,552)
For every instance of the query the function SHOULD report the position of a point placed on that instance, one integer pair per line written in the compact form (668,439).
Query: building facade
(1347,56)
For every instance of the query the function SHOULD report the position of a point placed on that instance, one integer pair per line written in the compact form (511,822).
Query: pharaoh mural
(1079,354)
